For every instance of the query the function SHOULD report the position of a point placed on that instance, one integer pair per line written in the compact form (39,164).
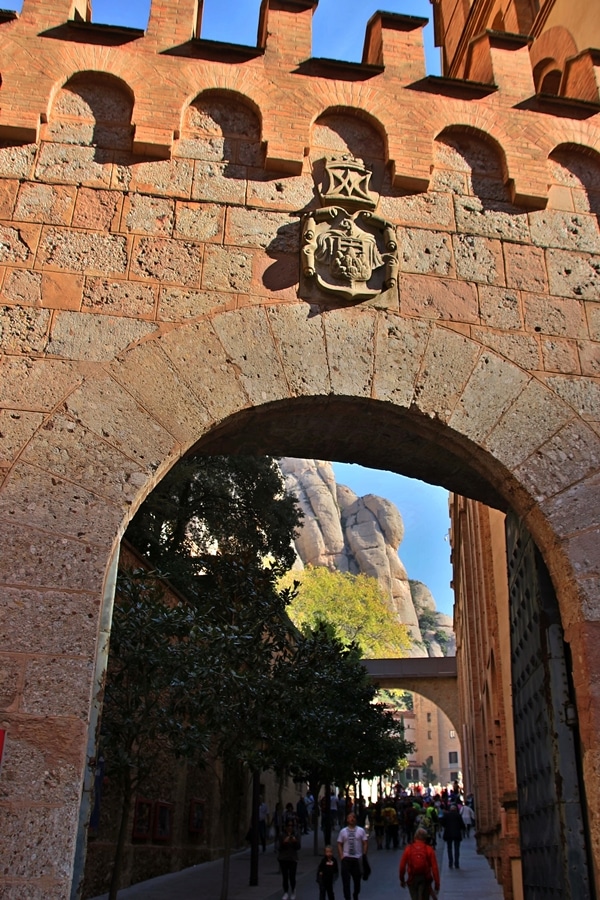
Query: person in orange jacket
(419,868)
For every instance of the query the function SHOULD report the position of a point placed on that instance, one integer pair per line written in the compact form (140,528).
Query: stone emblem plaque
(347,250)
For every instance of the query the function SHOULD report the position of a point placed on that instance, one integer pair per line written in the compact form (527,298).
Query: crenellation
(396,43)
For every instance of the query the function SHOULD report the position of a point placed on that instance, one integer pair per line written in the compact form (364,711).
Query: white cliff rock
(362,535)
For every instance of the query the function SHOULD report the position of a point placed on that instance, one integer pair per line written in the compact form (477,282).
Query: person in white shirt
(352,846)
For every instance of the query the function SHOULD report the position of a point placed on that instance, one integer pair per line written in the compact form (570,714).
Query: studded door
(552,823)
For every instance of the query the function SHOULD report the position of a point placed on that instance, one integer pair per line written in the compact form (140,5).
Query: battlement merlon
(395,42)
(285,31)
(44,14)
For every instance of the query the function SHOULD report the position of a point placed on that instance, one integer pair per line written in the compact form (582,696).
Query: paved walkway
(473,880)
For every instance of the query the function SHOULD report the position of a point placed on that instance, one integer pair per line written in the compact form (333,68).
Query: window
(453,776)
(453,758)
(452,733)
(429,717)
(428,735)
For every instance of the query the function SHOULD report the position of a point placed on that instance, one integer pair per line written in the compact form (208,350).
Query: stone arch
(475,159)
(92,108)
(221,125)
(286,379)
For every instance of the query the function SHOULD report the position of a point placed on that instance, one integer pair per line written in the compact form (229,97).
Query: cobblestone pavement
(473,880)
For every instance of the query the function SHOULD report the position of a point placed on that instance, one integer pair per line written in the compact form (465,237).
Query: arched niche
(223,127)
(469,162)
(574,177)
(92,108)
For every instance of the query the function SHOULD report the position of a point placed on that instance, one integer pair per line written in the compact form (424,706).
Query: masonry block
(174,22)
(285,31)
(396,42)
(502,59)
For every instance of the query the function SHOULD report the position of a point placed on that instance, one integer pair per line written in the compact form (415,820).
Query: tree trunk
(121,841)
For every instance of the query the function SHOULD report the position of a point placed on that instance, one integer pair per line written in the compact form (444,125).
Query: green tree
(337,732)
(146,711)
(429,776)
(355,605)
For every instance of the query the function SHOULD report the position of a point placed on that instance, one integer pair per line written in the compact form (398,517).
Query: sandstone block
(23,330)
(500,307)
(10,683)
(18,244)
(253,228)
(37,762)
(447,364)
(97,209)
(90,462)
(57,686)
(227,270)
(593,319)
(248,342)
(573,274)
(199,221)
(531,421)
(49,622)
(176,304)
(219,183)
(290,193)
(157,387)
(65,164)
(148,215)
(525,267)
(560,355)
(490,390)
(94,337)
(520,348)
(589,357)
(35,383)
(22,287)
(61,291)
(106,409)
(275,277)
(38,558)
(497,220)
(171,178)
(438,298)
(571,453)
(583,394)
(300,341)
(81,251)
(198,356)
(432,210)
(349,337)
(167,261)
(8,196)
(564,317)
(16,429)
(478,259)
(425,252)
(578,503)
(215,148)
(30,493)
(17,161)
(401,344)
(22,842)
(119,298)
(565,230)
(51,204)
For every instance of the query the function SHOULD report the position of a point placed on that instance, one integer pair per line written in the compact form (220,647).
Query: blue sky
(338,25)
(338,33)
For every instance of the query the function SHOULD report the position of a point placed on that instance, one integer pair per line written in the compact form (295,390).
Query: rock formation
(362,535)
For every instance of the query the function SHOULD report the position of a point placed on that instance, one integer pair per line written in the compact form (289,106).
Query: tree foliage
(355,605)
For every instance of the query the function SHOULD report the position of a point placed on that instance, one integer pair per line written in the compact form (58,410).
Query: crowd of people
(411,822)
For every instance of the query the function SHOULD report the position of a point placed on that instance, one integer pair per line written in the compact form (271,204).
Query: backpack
(418,861)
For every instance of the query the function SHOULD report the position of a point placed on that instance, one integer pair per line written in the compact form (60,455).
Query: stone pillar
(174,22)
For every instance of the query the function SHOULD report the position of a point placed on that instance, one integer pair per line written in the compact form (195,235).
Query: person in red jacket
(419,868)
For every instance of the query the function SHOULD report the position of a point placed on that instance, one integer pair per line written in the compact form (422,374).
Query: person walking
(288,860)
(352,846)
(468,817)
(418,868)
(326,874)
(453,832)
(263,823)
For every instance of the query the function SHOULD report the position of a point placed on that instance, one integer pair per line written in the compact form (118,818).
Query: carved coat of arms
(346,249)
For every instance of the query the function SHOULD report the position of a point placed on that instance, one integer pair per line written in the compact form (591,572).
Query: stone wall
(152,189)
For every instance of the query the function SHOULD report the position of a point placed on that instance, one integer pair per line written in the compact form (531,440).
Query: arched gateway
(249,250)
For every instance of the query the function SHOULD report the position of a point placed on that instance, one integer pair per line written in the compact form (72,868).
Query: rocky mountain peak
(356,534)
